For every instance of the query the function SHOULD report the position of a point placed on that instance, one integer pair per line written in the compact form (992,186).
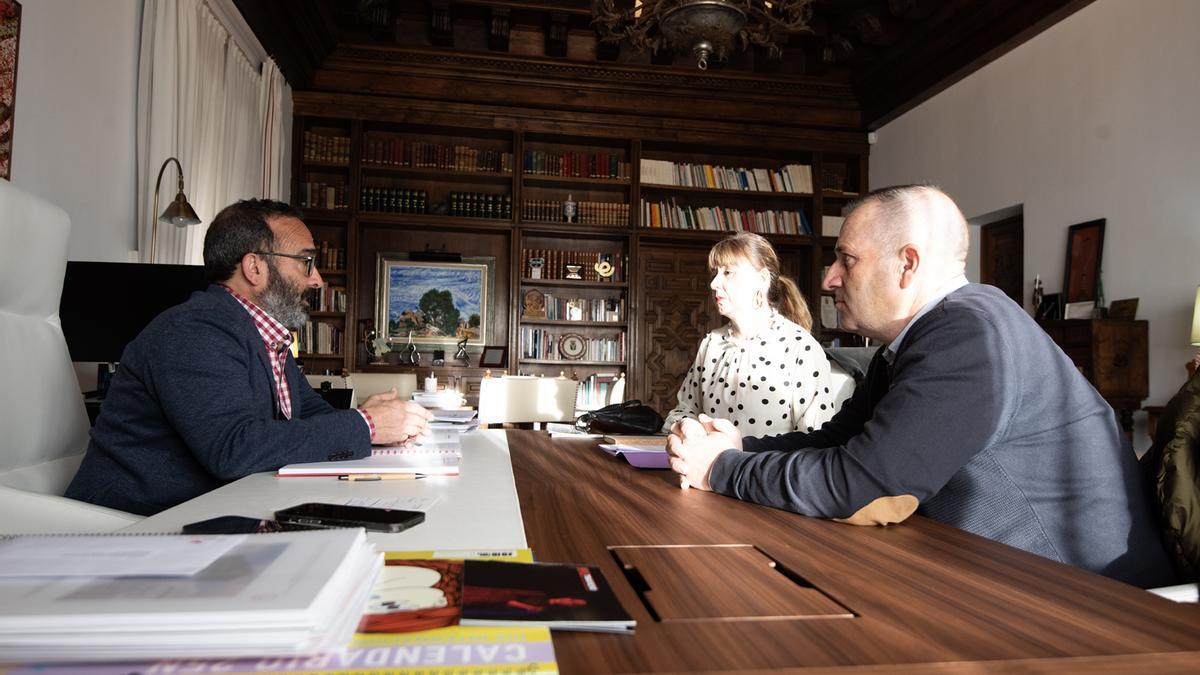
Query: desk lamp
(178,213)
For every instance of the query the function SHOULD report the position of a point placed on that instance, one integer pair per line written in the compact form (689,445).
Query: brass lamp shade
(180,212)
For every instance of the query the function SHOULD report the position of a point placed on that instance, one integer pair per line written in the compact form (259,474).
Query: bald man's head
(898,248)
(918,214)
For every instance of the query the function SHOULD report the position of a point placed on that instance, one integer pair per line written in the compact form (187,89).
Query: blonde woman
(763,370)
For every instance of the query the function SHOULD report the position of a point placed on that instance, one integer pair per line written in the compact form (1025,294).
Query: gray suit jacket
(982,423)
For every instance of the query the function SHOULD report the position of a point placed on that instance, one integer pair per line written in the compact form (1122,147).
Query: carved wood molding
(621,126)
(357,57)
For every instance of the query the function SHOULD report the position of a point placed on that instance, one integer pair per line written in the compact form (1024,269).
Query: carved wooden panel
(676,313)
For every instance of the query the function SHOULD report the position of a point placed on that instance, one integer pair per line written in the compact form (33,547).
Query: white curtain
(202,101)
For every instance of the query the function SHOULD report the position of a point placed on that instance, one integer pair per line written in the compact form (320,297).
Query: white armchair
(523,399)
(42,416)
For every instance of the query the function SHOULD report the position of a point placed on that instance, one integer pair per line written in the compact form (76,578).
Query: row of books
(539,343)
(671,215)
(794,178)
(327,299)
(596,389)
(543,263)
(582,309)
(589,213)
(393,200)
(480,205)
(330,257)
(326,148)
(576,164)
(390,151)
(318,195)
(320,337)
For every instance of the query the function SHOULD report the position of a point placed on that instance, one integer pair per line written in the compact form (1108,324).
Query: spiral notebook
(439,456)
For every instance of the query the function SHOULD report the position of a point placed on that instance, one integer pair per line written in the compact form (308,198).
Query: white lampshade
(1196,320)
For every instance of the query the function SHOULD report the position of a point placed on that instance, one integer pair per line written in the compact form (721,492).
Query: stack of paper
(460,421)
(284,594)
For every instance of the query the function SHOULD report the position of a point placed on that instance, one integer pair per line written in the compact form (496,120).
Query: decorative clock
(572,346)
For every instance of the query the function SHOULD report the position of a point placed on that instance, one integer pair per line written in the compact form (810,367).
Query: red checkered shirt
(276,339)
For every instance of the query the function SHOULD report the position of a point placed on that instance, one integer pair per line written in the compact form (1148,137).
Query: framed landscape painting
(438,303)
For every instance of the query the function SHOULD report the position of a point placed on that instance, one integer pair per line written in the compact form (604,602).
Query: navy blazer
(194,406)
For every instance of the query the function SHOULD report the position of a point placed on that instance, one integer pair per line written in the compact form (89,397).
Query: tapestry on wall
(10,33)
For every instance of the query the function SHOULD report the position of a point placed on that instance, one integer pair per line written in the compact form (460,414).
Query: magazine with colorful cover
(410,626)
(562,596)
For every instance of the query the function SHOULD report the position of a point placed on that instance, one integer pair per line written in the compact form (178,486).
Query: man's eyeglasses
(310,261)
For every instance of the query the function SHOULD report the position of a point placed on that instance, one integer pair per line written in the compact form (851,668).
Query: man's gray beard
(283,303)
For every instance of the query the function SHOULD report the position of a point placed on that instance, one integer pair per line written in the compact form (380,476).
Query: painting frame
(493,356)
(10,48)
(1085,253)
(402,284)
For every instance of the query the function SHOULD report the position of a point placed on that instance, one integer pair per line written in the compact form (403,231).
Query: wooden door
(1002,256)
(676,312)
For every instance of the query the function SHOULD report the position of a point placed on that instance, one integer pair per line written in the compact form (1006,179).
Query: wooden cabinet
(1112,355)
(380,178)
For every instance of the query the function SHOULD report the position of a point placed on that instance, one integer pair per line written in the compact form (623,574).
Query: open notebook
(440,455)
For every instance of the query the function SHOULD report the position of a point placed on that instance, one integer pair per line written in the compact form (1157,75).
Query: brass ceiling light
(706,28)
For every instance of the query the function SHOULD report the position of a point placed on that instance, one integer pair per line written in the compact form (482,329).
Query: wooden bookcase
(492,183)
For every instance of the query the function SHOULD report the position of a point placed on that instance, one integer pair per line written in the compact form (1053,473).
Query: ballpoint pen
(381,476)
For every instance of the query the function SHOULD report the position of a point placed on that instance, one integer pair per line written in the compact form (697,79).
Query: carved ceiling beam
(873,29)
(913,9)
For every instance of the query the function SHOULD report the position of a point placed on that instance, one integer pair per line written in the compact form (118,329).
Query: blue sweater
(194,406)
(982,423)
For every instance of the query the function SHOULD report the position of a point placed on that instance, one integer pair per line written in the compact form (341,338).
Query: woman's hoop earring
(760,299)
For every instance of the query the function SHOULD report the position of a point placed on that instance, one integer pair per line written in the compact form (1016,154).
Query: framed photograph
(1085,248)
(1084,309)
(1123,310)
(439,303)
(493,357)
(1049,308)
(10,35)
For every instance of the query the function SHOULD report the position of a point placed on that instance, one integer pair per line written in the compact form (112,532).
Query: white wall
(75,118)
(1094,118)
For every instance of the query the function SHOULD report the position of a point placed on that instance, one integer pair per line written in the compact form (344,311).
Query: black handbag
(630,417)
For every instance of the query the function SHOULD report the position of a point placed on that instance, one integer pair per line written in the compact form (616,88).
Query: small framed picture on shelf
(575,310)
(1050,307)
(494,357)
(1123,310)
(1083,309)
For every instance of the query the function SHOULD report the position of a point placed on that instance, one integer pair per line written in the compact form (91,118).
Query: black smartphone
(339,515)
(232,525)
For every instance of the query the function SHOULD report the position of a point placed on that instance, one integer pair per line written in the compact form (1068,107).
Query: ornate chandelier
(706,28)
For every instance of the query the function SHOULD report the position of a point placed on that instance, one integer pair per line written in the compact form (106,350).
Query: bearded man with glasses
(209,391)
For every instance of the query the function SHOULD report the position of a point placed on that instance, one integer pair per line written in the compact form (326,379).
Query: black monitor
(105,305)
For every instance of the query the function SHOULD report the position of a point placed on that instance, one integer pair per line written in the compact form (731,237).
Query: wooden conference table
(720,585)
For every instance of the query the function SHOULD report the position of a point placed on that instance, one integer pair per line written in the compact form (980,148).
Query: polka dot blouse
(770,384)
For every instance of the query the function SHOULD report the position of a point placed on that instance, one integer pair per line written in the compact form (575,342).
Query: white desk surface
(475,510)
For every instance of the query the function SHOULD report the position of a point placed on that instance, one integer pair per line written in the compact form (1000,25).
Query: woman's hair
(782,294)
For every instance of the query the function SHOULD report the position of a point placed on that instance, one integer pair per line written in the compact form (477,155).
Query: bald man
(209,391)
(969,415)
